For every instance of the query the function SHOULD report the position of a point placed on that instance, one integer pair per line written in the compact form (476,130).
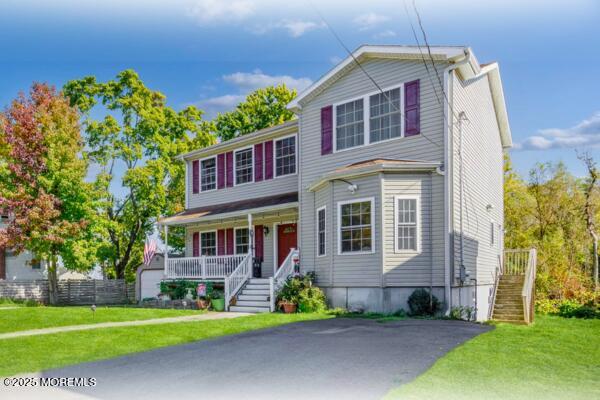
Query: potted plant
(288,296)
(217,300)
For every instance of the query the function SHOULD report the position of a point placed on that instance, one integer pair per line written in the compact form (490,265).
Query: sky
(211,53)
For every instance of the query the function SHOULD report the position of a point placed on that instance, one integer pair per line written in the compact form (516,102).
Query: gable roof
(469,68)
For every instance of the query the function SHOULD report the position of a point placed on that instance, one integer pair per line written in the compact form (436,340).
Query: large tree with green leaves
(261,109)
(43,189)
(134,145)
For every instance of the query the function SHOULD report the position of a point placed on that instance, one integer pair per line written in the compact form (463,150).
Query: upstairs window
(385,116)
(349,127)
(208,242)
(242,241)
(407,224)
(355,226)
(285,156)
(208,174)
(243,166)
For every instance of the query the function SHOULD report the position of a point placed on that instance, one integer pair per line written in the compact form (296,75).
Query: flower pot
(289,308)
(202,304)
(218,304)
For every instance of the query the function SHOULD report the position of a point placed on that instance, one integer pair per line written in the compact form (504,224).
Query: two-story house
(390,179)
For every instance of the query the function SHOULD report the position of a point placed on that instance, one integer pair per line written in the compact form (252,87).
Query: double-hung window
(208,243)
(355,226)
(350,125)
(242,241)
(321,232)
(285,156)
(385,116)
(243,166)
(208,174)
(407,224)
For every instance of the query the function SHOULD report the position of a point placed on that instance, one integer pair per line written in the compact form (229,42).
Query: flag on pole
(149,251)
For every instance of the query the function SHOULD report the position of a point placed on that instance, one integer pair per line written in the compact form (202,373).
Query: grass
(556,358)
(24,318)
(30,354)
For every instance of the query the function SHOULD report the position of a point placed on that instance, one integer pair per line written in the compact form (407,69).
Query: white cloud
(385,34)
(249,81)
(369,20)
(585,133)
(211,11)
(294,28)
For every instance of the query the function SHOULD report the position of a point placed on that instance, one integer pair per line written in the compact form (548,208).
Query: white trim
(418,236)
(187,184)
(235,229)
(324,208)
(251,147)
(200,174)
(339,226)
(275,176)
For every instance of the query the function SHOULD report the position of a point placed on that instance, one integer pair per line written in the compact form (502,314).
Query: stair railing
(497,273)
(528,292)
(277,281)
(237,279)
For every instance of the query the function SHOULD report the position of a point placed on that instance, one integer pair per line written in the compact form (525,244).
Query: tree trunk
(52,282)
(595,262)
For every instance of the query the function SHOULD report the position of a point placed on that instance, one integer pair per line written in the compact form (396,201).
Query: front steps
(509,303)
(254,297)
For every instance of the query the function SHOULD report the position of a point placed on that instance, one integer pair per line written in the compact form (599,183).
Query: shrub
(217,294)
(464,313)
(421,302)
(177,289)
(312,299)
(574,310)
(299,289)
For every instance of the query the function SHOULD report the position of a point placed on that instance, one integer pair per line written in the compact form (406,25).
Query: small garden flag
(149,251)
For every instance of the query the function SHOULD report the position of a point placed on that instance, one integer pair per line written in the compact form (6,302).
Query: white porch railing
(203,267)
(528,293)
(278,280)
(237,279)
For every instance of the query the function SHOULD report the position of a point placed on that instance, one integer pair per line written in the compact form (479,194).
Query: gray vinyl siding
(483,180)
(387,73)
(277,185)
(410,268)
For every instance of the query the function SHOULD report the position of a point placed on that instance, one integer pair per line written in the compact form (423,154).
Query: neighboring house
(22,267)
(390,179)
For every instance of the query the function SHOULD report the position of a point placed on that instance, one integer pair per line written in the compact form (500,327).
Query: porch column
(166,230)
(251,235)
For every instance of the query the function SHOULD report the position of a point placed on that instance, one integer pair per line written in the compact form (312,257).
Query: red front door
(286,239)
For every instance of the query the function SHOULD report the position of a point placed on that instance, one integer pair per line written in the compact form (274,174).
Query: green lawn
(556,358)
(30,354)
(24,318)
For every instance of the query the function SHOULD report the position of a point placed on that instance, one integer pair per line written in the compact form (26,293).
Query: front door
(286,239)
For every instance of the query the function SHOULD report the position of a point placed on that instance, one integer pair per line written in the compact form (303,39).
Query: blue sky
(212,52)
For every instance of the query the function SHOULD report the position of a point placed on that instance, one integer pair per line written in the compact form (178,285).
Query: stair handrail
(528,292)
(278,279)
(237,279)
(498,273)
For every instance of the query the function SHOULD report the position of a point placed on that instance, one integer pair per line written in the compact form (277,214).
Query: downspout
(448,153)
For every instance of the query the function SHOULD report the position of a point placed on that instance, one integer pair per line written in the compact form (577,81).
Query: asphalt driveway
(328,359)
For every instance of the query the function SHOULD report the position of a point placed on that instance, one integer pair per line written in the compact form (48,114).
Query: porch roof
(235,208)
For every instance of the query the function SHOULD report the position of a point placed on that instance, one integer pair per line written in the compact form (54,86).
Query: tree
(140,134)
(589,189)
(43,188)
(261,109)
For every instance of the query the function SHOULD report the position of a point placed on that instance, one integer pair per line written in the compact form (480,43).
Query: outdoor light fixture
(489,207)
(266,231)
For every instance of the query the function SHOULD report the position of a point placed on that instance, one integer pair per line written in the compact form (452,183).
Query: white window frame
(251,147)
(275,176)
(235,239)
(323,208)
(216,241)
(417,220)
(200,174)
(339,226)
(367,118)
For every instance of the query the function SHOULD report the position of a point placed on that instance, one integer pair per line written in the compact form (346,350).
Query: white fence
(204,267)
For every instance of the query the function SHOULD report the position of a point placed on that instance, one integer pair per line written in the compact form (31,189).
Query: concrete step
(257,286)
(250,297)
(249,303)
(254,292)
(259,281)
(249,309)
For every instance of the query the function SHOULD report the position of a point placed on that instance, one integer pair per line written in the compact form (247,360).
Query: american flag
(149,251)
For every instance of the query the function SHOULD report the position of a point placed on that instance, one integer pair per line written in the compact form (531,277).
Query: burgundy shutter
(326,130)
(229,162)
(259,241)
(221,171)
(196,244)
(269,159)
(258,162)
(229,241)
(195,176)
(2,263)
(411,108)
(221,242)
